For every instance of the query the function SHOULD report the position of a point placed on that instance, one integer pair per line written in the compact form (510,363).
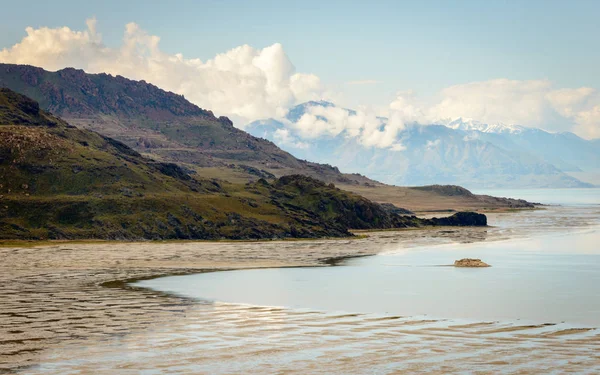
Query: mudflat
(57,293)
(59,297)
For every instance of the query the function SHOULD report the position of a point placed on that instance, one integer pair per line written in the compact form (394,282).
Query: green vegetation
(166,127)
(61,182)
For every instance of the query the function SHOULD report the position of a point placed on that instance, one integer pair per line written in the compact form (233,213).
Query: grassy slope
(58,181)
(61,182)
(419,200)
(166,127)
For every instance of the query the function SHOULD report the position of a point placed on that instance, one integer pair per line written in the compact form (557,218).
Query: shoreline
(357,233)
(62,293)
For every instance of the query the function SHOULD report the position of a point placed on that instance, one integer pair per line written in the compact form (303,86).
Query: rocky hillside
(61,182)
(167,128)
(159,123)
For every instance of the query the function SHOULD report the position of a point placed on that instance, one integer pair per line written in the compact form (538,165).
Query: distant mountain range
(166,127)
(461,152)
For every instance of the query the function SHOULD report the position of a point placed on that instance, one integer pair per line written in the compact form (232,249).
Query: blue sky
(423,46)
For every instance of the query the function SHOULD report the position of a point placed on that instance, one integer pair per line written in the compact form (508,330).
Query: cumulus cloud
(536,103)
(369,129)
(530,103)
(248,83)
(244,82)
(588,122)
(285,138)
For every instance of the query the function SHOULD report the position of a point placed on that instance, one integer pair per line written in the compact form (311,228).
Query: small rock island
(470,262)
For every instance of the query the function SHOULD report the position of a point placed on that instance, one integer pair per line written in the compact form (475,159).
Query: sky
(531,62)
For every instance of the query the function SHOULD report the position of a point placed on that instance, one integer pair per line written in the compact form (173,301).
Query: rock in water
(469,262)
(462,219)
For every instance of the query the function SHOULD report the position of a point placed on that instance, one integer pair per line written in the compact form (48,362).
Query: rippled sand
(56,315)
(230,338)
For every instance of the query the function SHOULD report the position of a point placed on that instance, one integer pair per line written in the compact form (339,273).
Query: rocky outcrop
(470,262)
(61,182)
(16,109)
(396,210)
(352,210)
(70,91)
(461,219)
(159,122)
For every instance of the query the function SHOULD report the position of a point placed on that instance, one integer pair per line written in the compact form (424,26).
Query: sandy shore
(56,295)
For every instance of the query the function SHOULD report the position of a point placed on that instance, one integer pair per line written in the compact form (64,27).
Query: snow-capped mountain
(463,152)
(470,124)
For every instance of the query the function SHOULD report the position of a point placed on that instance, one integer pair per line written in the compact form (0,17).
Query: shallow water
(548,279)
(403,311)
(569,197)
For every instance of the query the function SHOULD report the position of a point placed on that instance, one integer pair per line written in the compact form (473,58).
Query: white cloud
(284,138)
(247,83)
(588,122)
(244,82)
(407,105)
(568,102)
(531,103)
(363,124)
(494,101)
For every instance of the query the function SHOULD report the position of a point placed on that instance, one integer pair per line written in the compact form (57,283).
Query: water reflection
(549,278)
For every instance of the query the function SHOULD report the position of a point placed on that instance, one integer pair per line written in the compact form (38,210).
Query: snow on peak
(470,124)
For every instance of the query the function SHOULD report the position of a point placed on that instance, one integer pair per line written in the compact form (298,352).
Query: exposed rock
(37,152)
(462,219)
(260,173)
(470,262)
(396,210)
(173,170)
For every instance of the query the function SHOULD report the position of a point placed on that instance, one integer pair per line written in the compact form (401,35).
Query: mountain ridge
(163,123)
(62,182)
(462,152)
(194,138)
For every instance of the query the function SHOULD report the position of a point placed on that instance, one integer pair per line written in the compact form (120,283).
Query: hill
(167,128)
(157,122)
(62,182)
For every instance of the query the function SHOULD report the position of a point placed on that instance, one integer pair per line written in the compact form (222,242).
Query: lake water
(571,197)
(551,277)
(403,311)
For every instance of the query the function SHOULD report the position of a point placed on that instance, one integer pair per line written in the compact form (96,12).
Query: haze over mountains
(461,152)
(167,128)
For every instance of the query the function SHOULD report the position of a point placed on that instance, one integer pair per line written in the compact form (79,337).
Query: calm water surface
(571,197)
(420,315)
(550,278)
